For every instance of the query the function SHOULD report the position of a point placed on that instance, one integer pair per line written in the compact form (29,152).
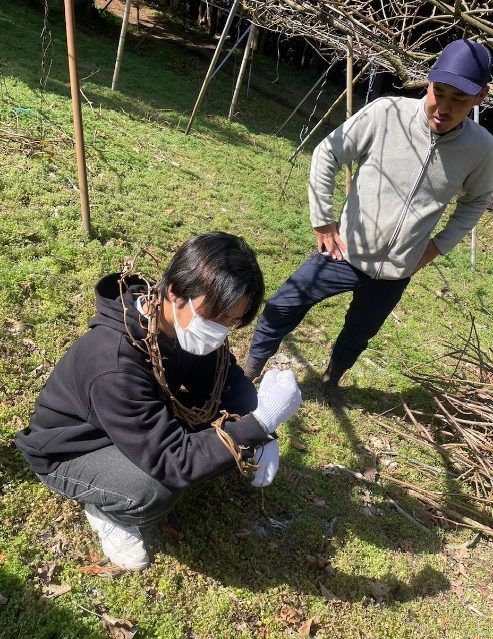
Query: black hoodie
(103,392)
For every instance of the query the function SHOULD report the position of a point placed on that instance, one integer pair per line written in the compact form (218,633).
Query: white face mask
(201,336)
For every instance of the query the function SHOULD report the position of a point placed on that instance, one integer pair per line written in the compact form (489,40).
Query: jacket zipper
(400,222)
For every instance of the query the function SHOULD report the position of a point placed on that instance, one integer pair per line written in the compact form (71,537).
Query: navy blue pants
(317,279)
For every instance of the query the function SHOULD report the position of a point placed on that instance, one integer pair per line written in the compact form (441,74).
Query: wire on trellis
(230,53)
(306,127)
(371,82)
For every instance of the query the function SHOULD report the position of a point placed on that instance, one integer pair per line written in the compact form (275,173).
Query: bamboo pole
(213,63)
(244,62)
(77,115)
(121,44)
(349,102)
(324,118)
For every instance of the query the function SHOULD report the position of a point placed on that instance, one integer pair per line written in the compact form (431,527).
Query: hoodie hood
(109,309)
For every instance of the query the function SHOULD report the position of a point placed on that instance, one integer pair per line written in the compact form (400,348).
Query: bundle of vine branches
(460,429)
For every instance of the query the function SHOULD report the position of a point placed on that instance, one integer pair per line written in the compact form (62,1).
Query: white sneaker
(123,545)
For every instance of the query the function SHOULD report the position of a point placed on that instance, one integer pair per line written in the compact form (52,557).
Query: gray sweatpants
(110,481)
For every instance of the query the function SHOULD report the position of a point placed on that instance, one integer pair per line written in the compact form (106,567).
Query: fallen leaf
(306,628)
(2,558)
(13,326)
(95,557)
(462,552)
(32,346)
(290,615)
(370,474)
(297,443)
(119,628)
(109,570)
(46,572)
(327,594)
(53,591)
(40,370)
(457,588)
(379,443)
(3,600)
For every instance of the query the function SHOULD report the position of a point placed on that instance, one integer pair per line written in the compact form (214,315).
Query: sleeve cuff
(248,434)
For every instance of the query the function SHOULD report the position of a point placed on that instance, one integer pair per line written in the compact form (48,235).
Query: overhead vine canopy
(401,36)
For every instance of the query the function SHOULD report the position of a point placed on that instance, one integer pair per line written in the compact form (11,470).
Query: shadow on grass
(289,535)
(311,530)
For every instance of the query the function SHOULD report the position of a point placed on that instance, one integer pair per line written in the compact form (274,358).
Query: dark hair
(220,266)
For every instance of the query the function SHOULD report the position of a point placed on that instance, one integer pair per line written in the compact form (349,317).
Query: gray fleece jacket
(405,178)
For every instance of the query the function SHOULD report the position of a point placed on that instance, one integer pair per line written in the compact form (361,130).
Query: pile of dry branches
(460,429)
(397,35)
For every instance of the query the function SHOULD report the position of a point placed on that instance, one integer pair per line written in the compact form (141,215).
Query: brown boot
(330,384)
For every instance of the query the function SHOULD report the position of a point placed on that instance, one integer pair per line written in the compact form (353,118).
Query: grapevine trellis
(401,36)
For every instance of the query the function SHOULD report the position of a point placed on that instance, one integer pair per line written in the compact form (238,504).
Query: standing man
(414,157)
(128,419)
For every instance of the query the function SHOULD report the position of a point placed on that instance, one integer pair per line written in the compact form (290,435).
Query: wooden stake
(121,44)
(77,114)
(244,62)
(212,65)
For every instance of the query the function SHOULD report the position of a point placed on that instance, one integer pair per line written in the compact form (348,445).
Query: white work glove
(267,459)
(278,399)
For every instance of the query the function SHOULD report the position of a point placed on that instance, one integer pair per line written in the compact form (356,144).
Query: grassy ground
(318,552)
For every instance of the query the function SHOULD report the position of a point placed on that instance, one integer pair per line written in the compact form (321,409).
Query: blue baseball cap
(464,64)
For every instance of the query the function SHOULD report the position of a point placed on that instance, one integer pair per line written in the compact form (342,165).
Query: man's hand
(267,459)
(329,240)
(430,253)
(278,399)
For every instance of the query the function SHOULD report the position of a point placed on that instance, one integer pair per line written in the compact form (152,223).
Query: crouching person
(151,401)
